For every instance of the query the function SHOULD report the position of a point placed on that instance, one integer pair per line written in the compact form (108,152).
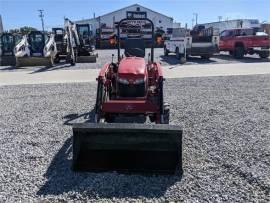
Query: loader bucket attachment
(127,148)
(7,61)
(33,61)
(87,59)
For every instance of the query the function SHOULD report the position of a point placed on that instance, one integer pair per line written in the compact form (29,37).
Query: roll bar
(130,19)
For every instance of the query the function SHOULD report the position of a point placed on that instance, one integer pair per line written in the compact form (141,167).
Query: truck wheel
(264,54)
(239,52)
(166,52)
(206,57)
(183,60)
(177,53)
(231,53)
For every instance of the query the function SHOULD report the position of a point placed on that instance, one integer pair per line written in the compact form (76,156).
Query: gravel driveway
(226,144)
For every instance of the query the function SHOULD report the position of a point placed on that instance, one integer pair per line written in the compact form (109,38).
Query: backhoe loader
(79,46)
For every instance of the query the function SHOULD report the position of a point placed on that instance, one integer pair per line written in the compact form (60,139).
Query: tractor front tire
(109,118)
(166,115)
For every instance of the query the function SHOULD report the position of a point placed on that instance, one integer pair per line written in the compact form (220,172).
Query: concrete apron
(89,75)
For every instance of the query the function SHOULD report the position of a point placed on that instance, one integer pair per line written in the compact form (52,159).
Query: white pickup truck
(205,42)
(198,42)
(177,42)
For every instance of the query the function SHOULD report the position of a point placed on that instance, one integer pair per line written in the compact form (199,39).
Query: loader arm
(103,71)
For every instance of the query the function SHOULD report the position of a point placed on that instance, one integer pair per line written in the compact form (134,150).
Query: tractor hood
(132,66)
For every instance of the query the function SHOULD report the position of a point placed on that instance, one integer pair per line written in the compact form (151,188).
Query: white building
(233,24)
(160,21)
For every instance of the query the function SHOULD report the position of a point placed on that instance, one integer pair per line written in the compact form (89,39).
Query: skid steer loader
(80,49)
(129,89)
(33,51)
(50,50)
(7,44)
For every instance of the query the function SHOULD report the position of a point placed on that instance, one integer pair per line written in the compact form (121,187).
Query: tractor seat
(134,47)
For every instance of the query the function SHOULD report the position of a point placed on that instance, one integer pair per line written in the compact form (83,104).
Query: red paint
(103,70)
(129,106)
(132,65)
(232,38)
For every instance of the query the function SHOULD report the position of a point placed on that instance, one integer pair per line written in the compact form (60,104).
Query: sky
(18,13)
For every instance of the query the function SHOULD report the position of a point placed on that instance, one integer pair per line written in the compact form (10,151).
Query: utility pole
(41,15)
(1,25)
(196,17)
(192,22)
(219,18)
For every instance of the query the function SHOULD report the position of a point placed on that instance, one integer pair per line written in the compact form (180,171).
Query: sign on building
(136,14)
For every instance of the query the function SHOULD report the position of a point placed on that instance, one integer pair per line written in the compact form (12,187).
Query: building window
(160,21)
(138,9)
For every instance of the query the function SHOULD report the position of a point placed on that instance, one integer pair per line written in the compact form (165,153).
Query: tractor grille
(131,90)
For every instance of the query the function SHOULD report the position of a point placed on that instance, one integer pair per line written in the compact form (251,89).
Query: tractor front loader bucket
(33,61)
(127,148)
(92,58)
(7,61)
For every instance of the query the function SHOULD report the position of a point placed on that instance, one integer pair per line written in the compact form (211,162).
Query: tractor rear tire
(239,52)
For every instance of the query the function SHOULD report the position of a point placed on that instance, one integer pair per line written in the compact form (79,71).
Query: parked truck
(197,42)
(177,42)
(204,42)
(239,42)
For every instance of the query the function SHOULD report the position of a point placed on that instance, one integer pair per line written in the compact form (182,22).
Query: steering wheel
(134,52)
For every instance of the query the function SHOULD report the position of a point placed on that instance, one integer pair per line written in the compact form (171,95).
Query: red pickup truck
(245,41)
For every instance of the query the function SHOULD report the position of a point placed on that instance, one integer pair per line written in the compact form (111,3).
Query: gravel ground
(226,144)
(106,55)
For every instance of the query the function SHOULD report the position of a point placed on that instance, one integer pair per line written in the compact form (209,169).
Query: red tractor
(130,87)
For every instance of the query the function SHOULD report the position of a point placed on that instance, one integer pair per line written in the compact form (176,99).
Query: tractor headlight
(139,81)
(123,81)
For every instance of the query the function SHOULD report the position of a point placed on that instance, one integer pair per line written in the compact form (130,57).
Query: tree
(23,30)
